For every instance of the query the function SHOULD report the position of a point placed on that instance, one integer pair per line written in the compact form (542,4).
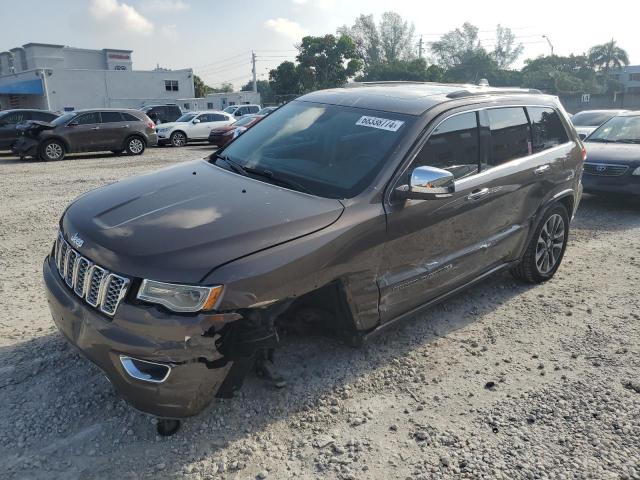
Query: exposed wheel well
(568,201)
(179,131)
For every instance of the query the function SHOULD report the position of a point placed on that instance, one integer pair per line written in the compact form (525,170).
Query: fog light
(145,371)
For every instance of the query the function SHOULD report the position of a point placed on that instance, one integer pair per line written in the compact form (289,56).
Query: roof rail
(487,91)
(384,82)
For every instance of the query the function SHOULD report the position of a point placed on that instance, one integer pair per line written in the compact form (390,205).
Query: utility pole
(549,42)
(420,48)
(253,70)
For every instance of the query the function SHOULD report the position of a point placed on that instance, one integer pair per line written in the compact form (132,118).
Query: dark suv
(10,119)
(162,113)
(129,131)
(352,207)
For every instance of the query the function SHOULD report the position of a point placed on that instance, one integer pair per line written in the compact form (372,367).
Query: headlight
(180,298)
(636,171)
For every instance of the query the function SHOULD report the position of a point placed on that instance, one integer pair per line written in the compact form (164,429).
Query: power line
(223,60)
(224,68)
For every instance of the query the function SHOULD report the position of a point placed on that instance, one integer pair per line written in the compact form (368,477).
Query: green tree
(285,79)
(201,89)
(264,89)
(322,61)
(456,46)
(410,70)
(606,57)
(557,74)
(506,51)
(471,66)
(391,40)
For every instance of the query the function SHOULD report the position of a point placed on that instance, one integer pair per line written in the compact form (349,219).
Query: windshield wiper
(628,140)
(268,174)
(235,166)
(599,140)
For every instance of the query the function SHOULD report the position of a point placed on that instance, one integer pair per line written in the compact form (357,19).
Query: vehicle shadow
(607,213)
(11,158)
(76,422)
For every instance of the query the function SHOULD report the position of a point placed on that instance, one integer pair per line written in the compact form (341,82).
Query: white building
(220,101)
(56,77)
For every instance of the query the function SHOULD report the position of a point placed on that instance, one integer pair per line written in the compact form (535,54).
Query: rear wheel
(546,249)
(52,150)
(178,139)
(135,146)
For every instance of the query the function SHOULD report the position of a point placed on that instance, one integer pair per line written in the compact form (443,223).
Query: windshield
(619,129)
(187,117)
(244,121)
(146,109)
(591,119)
(330,151)
(230,109)
(61,120)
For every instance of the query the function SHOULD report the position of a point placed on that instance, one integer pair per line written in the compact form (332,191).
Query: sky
(216,37)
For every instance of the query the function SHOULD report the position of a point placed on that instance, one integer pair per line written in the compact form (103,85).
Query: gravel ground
(504,381)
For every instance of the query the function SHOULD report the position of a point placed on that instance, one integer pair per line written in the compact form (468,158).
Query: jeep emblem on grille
(601,168)
(77,241)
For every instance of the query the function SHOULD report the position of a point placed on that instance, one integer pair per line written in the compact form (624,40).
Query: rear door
(84,132)
(437,245)
(114,130)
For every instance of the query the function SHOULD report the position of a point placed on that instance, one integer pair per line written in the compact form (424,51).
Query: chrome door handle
(124,126)
(542,169)
(476,194)
(95,128)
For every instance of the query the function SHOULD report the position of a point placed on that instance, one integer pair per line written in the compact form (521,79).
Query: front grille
(97,286)
(605,169)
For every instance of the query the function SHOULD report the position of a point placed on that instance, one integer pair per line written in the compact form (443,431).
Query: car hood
(179,223)
(226,128)
(621,153)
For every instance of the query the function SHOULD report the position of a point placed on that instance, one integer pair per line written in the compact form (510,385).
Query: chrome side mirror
(195,120)
(427,183)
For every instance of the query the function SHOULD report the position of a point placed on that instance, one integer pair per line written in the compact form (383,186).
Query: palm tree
(606,57)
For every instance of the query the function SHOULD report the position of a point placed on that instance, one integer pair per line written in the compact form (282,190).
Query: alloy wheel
(178,140)
(550,244)
(53,151)
(136,146)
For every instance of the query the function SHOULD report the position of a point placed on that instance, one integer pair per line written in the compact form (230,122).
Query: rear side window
(509,134)
(130,118)
(219,118)
(454,146)
(13,118)
(111,117)
(548,130)
(88,118)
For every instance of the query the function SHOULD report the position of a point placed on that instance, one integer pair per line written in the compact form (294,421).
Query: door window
(547,127)
(219,118)
(205,117)
(111,117)
(42,116)
(454,146)
(130,118)
(509,134)
(88,118)
(13,118)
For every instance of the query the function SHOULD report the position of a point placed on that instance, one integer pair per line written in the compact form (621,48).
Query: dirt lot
(504,381)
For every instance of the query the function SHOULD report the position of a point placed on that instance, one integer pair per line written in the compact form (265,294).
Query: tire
(178,139)
(52,150)
(544,254)
(135,146)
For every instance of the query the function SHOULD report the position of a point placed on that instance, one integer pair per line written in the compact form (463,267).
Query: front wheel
(135,146)
(52,150)
(178,139)
(546,249)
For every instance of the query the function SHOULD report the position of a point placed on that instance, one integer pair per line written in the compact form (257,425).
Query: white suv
(240,110)
(192,126)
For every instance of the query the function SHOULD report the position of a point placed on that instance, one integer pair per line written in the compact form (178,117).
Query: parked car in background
(91,130)
(223,135)
(192,126)
(162,113)
(267,110)
(613,156)
(240,110)
(358,207)
(10,119)
(587,121)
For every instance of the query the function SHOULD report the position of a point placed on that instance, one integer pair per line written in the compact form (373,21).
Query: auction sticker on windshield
(381,123)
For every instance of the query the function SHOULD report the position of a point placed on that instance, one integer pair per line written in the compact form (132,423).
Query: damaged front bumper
(25,147)
(164,364)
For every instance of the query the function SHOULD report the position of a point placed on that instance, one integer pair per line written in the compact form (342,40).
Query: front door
(437,245)
(84,132)
(201,130)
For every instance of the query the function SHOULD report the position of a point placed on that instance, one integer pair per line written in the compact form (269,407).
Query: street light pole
(549,42)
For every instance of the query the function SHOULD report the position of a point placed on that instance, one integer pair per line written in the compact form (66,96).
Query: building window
(209,106)
(186,106)
(634,77)
(634,90)
(171,85)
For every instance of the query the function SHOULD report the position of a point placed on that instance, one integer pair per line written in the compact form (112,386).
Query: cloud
(286,27)
(164,5)
(170,32)
(120,14)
